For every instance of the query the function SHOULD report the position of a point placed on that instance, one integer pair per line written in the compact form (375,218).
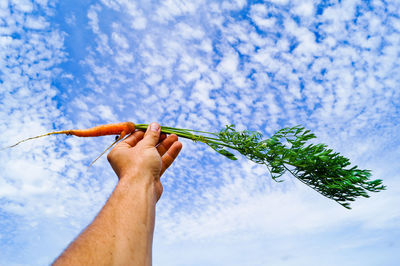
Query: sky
(331,66)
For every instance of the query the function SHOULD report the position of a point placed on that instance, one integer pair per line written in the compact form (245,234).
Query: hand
(145,156)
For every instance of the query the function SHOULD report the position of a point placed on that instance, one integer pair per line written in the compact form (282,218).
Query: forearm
(122,233)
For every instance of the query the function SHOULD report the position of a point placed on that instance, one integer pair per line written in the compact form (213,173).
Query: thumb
(152,135)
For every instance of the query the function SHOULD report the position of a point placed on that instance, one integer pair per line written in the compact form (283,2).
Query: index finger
(134,138)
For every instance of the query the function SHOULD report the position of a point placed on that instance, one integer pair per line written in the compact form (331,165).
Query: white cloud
(280,2)
(170,9)
(36,23)
(93,18)
(71,20)
(139,23)
(261,16)
(5,40)
(188,32)
(233,5)
(106,113)
(25,6)
(120,40)
(229,63)
(304,8)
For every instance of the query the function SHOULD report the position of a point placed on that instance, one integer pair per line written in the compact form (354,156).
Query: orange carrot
(122,129)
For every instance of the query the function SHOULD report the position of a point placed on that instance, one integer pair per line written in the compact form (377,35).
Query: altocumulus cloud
(332,67)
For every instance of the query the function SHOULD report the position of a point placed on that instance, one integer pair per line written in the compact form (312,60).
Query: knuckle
(154,134)
(110,156)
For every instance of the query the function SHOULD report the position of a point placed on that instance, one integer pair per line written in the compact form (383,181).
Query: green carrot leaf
(315,165)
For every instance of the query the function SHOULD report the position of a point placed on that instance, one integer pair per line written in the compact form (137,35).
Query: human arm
(122,233)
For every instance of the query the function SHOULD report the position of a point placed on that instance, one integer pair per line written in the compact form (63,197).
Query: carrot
(122,129)
(314,165)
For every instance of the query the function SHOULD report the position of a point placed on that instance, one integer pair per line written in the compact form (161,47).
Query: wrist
(138,173)
(136,184)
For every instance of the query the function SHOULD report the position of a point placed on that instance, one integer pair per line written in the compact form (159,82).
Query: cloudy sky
(332,66)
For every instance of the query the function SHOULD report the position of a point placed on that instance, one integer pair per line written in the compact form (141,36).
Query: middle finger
(166,144)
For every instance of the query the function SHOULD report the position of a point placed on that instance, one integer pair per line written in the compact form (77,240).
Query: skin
(122,233)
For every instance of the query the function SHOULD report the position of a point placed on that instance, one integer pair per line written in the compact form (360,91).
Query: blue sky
(332,66)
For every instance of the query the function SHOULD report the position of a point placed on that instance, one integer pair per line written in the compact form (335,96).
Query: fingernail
(154,127)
